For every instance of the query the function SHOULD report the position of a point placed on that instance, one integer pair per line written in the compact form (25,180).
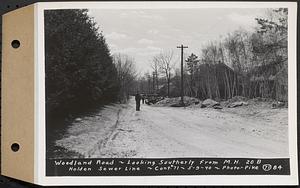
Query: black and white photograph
(160,83)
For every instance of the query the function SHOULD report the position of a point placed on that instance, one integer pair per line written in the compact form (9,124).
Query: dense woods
(79,67)
(242,63)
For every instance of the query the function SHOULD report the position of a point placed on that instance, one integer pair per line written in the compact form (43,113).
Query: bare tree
(165,64)
(155,68)
(126,70)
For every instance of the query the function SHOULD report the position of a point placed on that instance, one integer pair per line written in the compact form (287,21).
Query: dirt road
(120,131)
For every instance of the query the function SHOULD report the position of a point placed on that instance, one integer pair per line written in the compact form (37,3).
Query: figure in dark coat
(138,101)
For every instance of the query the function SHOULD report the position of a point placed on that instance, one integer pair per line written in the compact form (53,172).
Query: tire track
(102,142)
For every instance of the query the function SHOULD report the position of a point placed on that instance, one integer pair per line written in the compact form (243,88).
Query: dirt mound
(236,101)
(209,103)
(259,101)
(175,102)
(236,104)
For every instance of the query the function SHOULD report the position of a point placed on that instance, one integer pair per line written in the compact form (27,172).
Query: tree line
(80,70)
(82,73)
(249,64)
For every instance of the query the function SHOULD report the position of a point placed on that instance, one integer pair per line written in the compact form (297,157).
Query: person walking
(138,101)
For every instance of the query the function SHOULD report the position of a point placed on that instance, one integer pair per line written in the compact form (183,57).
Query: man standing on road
(138,101)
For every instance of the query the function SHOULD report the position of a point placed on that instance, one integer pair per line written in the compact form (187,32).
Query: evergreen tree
(79,68)
(192,68)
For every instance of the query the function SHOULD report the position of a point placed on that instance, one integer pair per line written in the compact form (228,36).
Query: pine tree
(79,68)
(192,67)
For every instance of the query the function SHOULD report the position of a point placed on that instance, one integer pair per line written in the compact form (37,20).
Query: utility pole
(181,89)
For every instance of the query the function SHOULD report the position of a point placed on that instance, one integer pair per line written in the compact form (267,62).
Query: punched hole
(15,147)
(15,44)
(17,6)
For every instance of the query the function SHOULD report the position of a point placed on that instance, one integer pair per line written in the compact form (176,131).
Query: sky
(143,33)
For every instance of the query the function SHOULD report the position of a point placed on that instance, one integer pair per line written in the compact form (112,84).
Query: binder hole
(15,44)
(17,6)
(15,147)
